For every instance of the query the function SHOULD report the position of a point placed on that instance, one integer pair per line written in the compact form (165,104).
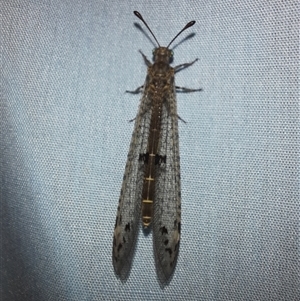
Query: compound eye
(171,53)
(153,51)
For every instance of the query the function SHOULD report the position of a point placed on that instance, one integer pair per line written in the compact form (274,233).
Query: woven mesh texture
(65,135)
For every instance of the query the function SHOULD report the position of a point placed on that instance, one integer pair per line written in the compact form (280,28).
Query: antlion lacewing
(151,182)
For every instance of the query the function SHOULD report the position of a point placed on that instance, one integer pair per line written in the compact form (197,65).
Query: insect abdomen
(150,158)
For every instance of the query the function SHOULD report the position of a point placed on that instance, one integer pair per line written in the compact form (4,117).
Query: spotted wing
(167,204)
(129,208)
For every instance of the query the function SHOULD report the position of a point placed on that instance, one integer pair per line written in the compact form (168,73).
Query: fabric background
(65,136)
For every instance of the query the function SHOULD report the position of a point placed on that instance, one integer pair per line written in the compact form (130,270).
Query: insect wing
(167,205)
(129,208)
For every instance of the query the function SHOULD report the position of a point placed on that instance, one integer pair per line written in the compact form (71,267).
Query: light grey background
(65,136)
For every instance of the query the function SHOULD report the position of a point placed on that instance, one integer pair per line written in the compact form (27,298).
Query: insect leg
(183,66)
(186,90)
(136,91)
(147,62)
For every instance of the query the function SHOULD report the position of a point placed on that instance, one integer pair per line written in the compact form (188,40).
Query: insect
(151,182)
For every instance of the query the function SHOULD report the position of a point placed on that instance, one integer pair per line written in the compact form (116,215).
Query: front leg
(183,66)
(147,62)
(140,89)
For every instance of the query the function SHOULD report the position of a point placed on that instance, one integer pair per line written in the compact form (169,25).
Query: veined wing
(129,208)
(167,205)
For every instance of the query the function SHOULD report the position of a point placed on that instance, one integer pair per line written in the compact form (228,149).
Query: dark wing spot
(160,159)
(163,230)
(120,247)
(166,242)
(169,250)
(127,227)
(144,158)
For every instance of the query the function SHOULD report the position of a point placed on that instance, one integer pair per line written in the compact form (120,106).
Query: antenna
(142,19)
(191,23)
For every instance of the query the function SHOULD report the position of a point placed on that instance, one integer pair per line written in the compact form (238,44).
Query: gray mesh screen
(65,135)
